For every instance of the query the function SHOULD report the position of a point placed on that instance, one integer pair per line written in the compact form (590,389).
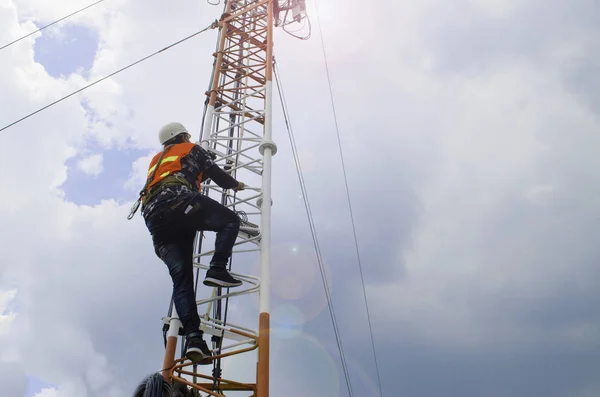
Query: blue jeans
(173,230)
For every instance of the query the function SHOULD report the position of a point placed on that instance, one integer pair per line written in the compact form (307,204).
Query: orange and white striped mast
(237,128)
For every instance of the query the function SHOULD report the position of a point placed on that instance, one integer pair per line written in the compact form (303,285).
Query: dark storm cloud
(554,241)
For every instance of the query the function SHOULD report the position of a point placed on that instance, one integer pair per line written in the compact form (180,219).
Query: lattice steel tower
(237,129)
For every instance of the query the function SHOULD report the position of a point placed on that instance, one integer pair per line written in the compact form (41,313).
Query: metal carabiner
(134,208)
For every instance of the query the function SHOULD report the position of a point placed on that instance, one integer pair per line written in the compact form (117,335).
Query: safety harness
(146,193)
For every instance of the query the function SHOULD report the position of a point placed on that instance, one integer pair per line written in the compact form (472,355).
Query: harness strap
(171,180)
(136,205)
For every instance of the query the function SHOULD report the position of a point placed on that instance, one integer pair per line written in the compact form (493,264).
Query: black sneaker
(197,350)
(220,277)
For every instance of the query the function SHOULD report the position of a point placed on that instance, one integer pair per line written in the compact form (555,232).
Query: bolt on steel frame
(237,129)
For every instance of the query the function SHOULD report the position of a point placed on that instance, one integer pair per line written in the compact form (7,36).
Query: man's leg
(178,258)
(207,214)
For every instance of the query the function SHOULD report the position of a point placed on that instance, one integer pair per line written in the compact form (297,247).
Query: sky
(470,136)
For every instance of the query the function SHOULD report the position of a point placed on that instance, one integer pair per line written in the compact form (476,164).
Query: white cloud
(92,165)
(7,316)
(47,392)
(6,297)
(139,172)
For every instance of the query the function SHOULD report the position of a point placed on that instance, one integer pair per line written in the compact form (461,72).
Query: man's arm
(221,178)
(214,172)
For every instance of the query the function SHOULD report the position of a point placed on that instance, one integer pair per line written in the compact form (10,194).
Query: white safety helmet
(171,130)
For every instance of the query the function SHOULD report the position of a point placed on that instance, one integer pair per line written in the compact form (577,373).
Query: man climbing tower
(174,210)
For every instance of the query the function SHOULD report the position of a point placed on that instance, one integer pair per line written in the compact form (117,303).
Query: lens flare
(287,321)
(315,371)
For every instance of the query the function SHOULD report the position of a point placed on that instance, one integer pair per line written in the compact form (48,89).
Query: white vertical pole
(207,127)
(265,251)
(267,149)
(170,351)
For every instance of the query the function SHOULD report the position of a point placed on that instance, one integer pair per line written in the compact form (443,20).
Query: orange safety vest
(170,163)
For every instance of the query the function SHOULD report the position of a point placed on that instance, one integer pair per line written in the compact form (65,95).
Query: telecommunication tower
(237,129)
